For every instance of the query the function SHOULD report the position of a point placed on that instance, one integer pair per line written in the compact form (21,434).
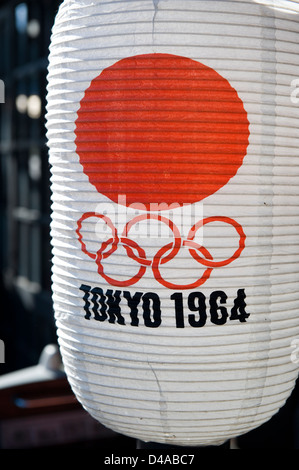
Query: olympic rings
(161,257)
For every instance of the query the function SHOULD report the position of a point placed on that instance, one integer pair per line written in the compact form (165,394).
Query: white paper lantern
(176,322)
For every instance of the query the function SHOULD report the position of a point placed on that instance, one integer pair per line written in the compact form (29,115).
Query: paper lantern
(173,137)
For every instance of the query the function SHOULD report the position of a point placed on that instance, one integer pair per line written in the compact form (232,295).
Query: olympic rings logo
(165,254)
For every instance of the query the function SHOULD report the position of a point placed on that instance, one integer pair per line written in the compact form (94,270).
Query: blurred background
(37,408)
(26,320)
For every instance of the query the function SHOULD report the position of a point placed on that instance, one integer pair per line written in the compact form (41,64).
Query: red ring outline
(177,237)
(128,282)
(217,264)
(170,285)
(101,254)
(108,221)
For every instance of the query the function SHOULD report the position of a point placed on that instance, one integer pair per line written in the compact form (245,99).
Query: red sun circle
(160,128)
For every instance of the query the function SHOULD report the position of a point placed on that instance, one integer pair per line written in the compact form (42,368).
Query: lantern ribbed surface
(173,141)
